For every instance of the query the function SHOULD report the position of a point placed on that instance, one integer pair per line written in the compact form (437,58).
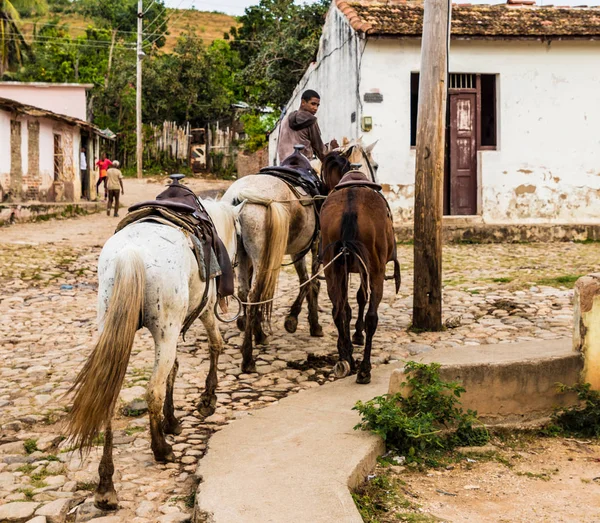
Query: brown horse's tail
(98,384)
(277,228)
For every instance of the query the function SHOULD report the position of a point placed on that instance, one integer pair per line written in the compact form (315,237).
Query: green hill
(208,25)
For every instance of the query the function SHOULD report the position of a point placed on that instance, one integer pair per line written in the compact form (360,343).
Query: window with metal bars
(58,157)
(462,81)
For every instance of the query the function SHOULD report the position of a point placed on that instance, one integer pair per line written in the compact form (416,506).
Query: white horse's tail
(98,384)
(277,228)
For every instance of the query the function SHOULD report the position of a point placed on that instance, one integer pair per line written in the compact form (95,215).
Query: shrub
(582,420)
(427,418)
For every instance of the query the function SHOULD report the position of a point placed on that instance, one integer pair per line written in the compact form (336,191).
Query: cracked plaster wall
(547,164)
(334,76)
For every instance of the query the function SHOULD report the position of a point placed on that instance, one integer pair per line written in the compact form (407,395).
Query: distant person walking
(85,181)
(114,182)
(103,166)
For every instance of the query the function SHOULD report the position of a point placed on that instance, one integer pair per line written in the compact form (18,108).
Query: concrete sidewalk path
(296,461)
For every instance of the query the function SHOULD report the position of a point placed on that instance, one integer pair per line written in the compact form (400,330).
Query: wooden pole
(429,176)
(138,92)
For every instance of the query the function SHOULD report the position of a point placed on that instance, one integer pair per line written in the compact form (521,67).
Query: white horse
(148,277)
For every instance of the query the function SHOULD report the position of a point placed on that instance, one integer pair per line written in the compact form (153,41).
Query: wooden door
(463,153)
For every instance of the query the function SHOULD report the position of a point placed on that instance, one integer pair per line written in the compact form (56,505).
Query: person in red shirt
(103,166)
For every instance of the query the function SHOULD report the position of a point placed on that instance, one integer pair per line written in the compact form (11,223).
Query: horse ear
(370,148)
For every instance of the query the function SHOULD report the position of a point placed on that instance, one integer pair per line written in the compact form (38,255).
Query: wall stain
(524,189)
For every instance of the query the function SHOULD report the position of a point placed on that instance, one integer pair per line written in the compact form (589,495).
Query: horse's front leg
(105,497)
(170,423)
(208,400)
(291,320)
(165,340)
(313,292)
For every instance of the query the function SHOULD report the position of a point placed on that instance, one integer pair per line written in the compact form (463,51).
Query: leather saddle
(296,169)
(180,206)
(356,179)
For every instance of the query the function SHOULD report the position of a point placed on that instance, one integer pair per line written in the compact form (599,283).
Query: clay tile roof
(520,19)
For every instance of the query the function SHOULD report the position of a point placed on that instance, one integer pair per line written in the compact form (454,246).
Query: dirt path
(550,480)
(95,229)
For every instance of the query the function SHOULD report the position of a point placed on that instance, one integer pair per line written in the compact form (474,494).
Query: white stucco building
(40,146)
(523,105)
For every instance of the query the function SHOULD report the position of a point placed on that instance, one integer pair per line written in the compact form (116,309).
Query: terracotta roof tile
(521,19)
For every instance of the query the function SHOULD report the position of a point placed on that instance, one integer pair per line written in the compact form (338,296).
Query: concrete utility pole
(429,177)
(138,91)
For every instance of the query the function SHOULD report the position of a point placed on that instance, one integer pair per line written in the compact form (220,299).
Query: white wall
(4,149)
(547,166)
(334,76)
(46,153)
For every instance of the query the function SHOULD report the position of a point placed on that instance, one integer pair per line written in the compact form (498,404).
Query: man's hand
(333,144)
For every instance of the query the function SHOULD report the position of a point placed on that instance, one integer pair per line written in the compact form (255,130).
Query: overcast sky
(236,7)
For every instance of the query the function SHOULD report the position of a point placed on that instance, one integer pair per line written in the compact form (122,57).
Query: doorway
(471,125)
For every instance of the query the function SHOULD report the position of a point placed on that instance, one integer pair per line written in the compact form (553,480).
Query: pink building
(66,99)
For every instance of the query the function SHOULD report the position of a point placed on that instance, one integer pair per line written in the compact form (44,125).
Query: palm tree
(12,41)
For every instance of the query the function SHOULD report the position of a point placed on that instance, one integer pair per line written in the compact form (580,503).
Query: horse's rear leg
(208,400)
(165,339)
(337,288)
(244,274)
(170,423)
(105,496)
(361,297)
(291,320)
(372,319)
(248,364)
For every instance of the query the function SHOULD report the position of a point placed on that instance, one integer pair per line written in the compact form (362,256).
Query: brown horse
(357,232)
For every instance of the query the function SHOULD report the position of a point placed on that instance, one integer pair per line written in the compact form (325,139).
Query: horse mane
(334,164)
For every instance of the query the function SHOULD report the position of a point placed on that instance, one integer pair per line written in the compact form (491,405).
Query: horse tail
(353,248)
(98,384)
(277,228)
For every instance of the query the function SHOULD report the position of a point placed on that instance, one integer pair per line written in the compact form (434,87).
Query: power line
(166,21)
(100,44)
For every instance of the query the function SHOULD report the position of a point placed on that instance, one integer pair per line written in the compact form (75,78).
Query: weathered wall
(69,99)
(251,163)
(334,76)
(547,164)
(27,159)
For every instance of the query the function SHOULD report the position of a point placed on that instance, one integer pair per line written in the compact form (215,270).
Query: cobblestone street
(492,294)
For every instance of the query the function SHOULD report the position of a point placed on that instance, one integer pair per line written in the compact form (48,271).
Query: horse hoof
(249,368)
(363,379)
(316,332)
(261,339)
(291,324)
(106,501)
(206,410)
(165,457)
(358,339)
(241,323)
(341,369)
(174,428)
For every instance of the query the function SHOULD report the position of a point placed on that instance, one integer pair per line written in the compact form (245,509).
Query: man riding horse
(301,127)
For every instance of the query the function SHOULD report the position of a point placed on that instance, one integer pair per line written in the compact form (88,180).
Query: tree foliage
(276,42)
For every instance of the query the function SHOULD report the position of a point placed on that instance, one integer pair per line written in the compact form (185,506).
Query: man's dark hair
(308,94)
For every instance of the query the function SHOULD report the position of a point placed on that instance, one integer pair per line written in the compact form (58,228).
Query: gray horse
(275,222)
